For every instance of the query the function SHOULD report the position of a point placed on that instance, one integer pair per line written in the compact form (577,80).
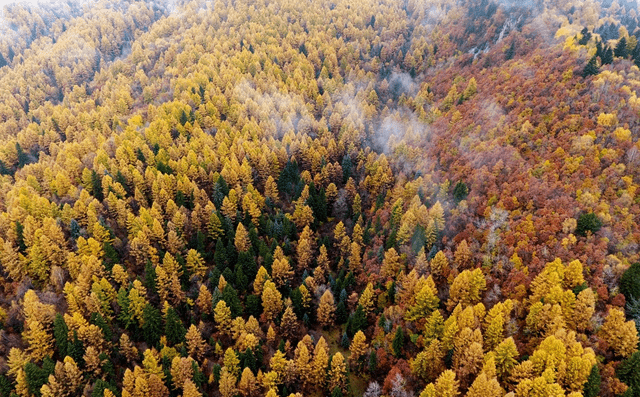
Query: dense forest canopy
(319,198)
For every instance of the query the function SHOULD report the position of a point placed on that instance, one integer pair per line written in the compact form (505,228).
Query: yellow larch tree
(434,326)
(230,205)
(429,363)
(391,264)
(494,332)
(356,207)
(357,234)
(272,393)
(358,348)
(175,243)
(305,294)
(168,280)
(222,283)
(446,385)
(195,263)
(190,389)
(279,366)
(248,385)
(34,309)
(426,301)
(462,255)
(470,362)
(355,258)
(281,271)
(467,288)
(261,277)
(271,189)
(241,240)
(271,334)
(11,260)
(151,363)
(203,302)
(421,265)
(16,359)
(250,207)
(339,233)
(319,365)
(338,373)
(38,319)
(366,299)
(439,263)
(181,370)
(429,391)
(119,274)
(302,216)
(92,360)
(585,308)
(326,309)
(227,385)
(231,362)
(302,363)
(222,317)
(271,301)
(196,346)
(289,323)
(323,261)
(506,358)
(483,386)
(304,252)
(214,227)
(437,214)
(621,335)
(128,348)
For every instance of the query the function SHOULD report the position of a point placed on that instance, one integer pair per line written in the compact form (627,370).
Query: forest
(379,198)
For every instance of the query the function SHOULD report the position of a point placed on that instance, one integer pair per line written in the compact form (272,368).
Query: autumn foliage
(350,198)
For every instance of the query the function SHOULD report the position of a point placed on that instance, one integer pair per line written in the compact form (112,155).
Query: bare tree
(374,390)
(397,388)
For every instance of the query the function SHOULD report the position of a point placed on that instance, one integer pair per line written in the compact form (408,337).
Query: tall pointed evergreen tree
(173,327)
(592,68)
(621,48)
(152,327)
(607,56)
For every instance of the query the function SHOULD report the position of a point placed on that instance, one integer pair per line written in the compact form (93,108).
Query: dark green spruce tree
(152,327)
(173,327)
(621,48)
(586,36)
(607,56)
(592,68)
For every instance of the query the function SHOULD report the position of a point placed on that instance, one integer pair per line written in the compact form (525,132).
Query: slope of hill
(319,198)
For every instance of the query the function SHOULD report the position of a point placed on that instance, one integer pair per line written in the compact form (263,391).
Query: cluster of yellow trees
(232,198)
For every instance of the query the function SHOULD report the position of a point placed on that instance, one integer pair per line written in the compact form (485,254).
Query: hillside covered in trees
(320,198)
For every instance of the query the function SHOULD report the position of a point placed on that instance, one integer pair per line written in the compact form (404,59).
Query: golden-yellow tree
(338,373)
(326,309)
(621,335)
